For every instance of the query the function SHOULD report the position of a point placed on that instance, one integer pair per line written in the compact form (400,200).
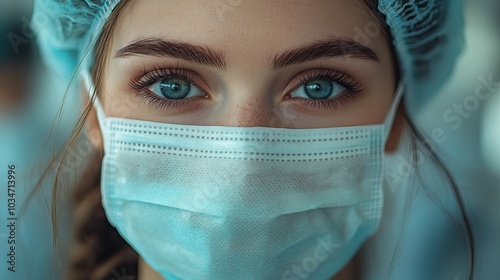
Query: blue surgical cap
(427,36)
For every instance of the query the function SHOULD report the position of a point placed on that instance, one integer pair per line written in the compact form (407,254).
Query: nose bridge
(248,112)
(248,100)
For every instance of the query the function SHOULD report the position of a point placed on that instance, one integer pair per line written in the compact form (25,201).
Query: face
(248,63)
(282,63)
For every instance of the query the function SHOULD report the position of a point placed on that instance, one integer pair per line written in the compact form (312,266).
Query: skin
(248,92)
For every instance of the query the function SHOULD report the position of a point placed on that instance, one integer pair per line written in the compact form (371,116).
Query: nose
(251,113)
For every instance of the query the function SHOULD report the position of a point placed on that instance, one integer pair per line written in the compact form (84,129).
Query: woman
(247,139)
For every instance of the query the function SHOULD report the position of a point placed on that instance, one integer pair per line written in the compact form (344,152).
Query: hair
(99,252)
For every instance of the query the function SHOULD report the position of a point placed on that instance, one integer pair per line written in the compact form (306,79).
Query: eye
(325,89)
(169,88)
(175,88)
(319,88)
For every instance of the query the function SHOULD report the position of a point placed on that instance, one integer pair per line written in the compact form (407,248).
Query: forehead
(243,25)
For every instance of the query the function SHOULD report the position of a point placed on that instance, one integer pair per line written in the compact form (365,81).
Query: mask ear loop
(389,119)
(89,86)
(101,117)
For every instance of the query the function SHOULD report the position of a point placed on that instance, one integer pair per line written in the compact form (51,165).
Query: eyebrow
(329,48)
(158,47)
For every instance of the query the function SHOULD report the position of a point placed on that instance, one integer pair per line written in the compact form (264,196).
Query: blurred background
(466,114)
(30,98)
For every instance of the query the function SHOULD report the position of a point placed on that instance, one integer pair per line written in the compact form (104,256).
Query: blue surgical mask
(212,202)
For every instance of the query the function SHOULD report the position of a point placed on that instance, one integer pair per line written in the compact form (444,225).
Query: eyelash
(149,78)
(351,85)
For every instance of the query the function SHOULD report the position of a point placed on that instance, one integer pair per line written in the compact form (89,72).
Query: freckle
(252,116)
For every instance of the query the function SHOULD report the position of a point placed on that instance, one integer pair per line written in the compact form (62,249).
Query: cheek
(374,107)
(382,86)
(117,102)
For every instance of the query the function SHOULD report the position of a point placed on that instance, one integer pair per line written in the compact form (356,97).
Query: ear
(91,122)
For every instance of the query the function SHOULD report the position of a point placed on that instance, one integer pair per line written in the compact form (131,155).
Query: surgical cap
(427,36)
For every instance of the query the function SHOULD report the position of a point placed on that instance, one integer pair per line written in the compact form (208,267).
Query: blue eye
(175,88)
(319,88)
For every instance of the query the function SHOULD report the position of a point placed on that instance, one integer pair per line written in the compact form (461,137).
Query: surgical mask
(212,202)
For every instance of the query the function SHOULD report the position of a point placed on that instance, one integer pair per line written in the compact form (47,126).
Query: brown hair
(98,251)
